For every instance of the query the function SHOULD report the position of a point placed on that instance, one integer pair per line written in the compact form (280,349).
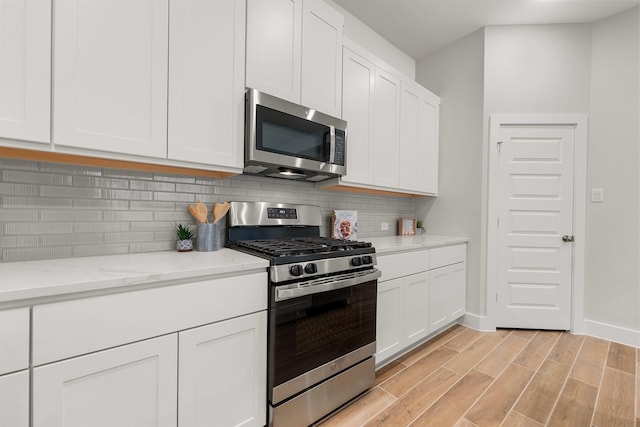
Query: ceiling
(420,27)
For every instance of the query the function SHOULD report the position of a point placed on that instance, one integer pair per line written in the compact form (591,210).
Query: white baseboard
(613,333)
(480,323)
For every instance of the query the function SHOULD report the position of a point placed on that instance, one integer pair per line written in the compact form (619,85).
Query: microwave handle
(332,144)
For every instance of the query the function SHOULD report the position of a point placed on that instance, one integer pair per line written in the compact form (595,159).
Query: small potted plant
(420,227)
(185,236)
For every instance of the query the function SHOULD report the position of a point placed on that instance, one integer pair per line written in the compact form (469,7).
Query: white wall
(456,74)
(612,288)
(537,69)
(585,68)
(362,34)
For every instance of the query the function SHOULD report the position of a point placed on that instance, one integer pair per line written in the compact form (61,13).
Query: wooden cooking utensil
(193,210)
(202,210)
(220,210)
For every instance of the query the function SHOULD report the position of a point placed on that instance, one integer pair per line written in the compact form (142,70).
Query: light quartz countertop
(22,281)
(396,244)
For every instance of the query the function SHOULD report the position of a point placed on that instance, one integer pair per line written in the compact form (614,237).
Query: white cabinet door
(389,319)
(357,109)
(132,385)
(385,129)
(322,57)
(447,289)
(206,81)
(418,161)
(274,41)
(416,305)
(14,399)
(223,371)
(25,73)
(411,159)
(402,313)
(429,140)
(110,75)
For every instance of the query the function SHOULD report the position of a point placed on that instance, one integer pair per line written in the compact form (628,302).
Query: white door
(223,373)
(132,385)
(535,200)
(110,75)
(206,81)
(25,73)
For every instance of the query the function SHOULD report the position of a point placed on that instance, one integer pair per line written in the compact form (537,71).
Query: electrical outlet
(384,226)
(597,195)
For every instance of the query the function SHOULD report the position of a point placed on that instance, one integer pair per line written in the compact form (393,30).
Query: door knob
(567,239)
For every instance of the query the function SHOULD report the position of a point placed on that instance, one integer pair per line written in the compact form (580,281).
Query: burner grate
(300,246)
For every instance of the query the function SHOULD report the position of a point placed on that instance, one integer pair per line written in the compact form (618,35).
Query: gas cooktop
(300,246)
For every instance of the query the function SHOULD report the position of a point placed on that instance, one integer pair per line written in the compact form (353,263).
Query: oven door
(318,329)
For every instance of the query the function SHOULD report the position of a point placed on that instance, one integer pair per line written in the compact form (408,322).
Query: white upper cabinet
(357,110)
(110,75)
(274,47)
(294,52)
(25,70)
(206,81)
(392,128)
(418,161)
(385,137)
(322,57)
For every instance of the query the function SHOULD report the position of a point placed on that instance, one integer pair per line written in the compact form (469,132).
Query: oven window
(282,133)
(312,330)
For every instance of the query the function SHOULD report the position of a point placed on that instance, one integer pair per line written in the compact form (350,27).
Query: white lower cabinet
(402,314)
(189,358)
(446,294)
(14,399)
(131,385)
(222,373)
(419,292)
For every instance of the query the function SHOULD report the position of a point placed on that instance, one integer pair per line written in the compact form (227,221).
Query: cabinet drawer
(14,340)
(71,328)
(448,255)
(402,264)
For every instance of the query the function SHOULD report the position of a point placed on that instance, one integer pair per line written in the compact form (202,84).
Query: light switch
(597,195)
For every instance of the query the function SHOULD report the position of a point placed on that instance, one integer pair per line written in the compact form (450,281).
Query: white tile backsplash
(50,210)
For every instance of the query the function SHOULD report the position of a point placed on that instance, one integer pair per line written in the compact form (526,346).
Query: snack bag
(344,225)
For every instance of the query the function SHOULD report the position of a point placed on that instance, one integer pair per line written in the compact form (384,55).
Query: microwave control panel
(339,152)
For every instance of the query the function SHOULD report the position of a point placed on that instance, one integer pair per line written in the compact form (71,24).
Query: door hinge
(500,145)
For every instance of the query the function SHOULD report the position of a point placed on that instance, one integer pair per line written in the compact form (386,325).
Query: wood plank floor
(508,378)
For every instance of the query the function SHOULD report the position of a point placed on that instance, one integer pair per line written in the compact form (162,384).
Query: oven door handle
(286,292)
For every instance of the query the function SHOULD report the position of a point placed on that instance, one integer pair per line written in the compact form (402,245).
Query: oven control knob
(310,268)
(356,262)
(295,270)
(367,259)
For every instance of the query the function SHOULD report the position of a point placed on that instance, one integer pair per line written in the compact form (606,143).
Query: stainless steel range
(322,309)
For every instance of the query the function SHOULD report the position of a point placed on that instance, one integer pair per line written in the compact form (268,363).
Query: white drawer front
(76,327)
(448,255)
(14,340)
(402,264)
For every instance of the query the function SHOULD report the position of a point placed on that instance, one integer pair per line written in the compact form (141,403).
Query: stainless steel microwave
(287,140)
